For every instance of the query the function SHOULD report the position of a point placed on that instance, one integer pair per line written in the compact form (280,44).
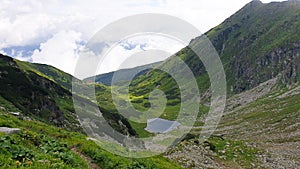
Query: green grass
(43,146)
(271,115)
(49,72)
(140,129)
(232,152)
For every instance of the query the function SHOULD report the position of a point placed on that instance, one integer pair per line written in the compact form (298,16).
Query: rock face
(256,45)
(7,130)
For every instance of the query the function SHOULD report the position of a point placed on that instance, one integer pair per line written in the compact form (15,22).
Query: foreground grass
(43,146)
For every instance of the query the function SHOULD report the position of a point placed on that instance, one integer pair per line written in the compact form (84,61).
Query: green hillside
(35,95)
(43,92)
(49,72)
(39,145)
(123,74)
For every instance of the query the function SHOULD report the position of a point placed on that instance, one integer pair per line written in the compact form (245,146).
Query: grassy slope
(270,119)
(48,72)
(43,146)
(266,128)
(270,125)
(36,95)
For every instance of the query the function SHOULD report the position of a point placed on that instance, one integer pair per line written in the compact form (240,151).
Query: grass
(44,146)
(269,119)
(230,152)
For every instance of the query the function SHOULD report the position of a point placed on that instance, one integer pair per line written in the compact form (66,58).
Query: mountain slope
(270,123)
(49,72)
(259,129)
(43,92)
(259,42)
(36,95)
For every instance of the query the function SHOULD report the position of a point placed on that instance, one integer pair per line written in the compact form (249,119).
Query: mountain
(255,44)
(33,93)
(36,99)
(123,74)
(61,78)
(43,92)
(259,47)
(259,42)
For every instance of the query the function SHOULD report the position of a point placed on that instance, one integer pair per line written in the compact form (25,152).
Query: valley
(259,47)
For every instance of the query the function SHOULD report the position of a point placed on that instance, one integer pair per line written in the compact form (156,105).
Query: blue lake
(158,125)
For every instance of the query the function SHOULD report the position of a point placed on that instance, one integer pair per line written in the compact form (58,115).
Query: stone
(15,113)
(7,130)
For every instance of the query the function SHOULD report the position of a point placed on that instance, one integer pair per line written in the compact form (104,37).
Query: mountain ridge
(123,74)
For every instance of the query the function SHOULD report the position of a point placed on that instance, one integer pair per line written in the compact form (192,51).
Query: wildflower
(29,163)
(18,163)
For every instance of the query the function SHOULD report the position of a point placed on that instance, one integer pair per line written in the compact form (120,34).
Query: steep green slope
(36,95)
(48,72)
(42,92)
(259,42)
(41,101)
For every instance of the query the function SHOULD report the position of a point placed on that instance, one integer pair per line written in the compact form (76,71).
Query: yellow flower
(29,163)
(18,163)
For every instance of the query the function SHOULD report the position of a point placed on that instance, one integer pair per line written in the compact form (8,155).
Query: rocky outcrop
(193,155)
(284,61)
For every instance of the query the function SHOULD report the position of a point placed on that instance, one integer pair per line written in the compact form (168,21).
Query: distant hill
(123,74)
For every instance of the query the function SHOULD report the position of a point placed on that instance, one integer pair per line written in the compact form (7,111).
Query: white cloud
(60,51)
(44,23)
(123,57)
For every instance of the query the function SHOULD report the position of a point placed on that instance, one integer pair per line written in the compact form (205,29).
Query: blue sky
(53,32)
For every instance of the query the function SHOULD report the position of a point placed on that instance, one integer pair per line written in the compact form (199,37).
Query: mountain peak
(254,3)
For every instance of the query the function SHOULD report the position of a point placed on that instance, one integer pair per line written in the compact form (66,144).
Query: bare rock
(15,113)
(7,130)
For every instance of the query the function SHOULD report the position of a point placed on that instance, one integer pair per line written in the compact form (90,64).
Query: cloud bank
(52,31)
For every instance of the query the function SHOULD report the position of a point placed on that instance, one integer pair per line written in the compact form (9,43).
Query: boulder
(7,130)
(15,113)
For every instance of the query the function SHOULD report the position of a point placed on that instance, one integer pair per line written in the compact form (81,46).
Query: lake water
(158,125)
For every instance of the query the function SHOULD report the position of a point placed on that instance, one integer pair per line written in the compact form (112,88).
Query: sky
(54,32)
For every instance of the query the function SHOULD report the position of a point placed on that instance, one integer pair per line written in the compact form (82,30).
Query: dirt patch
(86,158)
